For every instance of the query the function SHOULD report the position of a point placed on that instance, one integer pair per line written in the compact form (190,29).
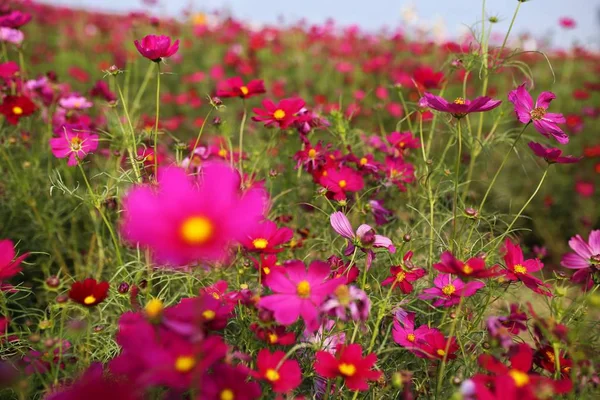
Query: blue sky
(537,16)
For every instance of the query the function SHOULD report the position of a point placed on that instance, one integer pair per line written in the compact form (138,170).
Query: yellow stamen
(303,289)
(196,230)
(342,292)
(400,276)
(521,378)
(449,289)
(89,300)
(267,270)
(273,338)
(312,153)
(184,364)
(410,337)
(467,269)
(459,100)
(520,269)
(260,243)
(537,113)
(222,153)
(244,90)
(279,114)
(441,352)
(347,369)
(17,110)
(363,161)
(342,183)
(226,394)
(154,308)
(209,315)
(272,375)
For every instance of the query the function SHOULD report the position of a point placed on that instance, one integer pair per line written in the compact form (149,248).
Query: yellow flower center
(273,338)
(342,183)
(520,269)
(216,296)
(76,143)
(154,308)
(400,276)
(272,375)
(209,315)
(279,114)
(537,113)
(449,289)
(363,161)
(312,153)
(521,378)
(185,364)
(89,300)
(410,337)
(196,230)
(441,352)
(459,100)
(303,289)
(467,269)
(244,90)
(342,292)
(222,153)
(260,243)
(17,110)
(199,19)
(401,144)
(226,394)
(550,356)
(347,369)
(267,270)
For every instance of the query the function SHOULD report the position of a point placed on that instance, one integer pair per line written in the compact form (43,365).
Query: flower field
(206,209)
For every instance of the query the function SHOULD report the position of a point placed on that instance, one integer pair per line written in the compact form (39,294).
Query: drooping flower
(282,378)
(520,269)
(267,238)
(282,114)
(586,256)
(184,221)
(156,48)
(338,181)
(9,265)
(447,292)
(235,87)
(227,382)
(402,277)
(88,292)
(16,107)
(364,238)
(348,302)
(299,292)
(546,123)
(473,268)
(459,107)
(73,144)
(349,364)
(552,155)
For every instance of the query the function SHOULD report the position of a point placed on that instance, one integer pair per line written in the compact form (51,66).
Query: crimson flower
(342,180)
(16,107)
(156,48)
(283,378)
(349,364)
(282,114)
(402,278)
(88,292)
(459,107)
(266,238)
(552,155)
(448,292)
(519,269)
(473,268)
(235,87)
(226,382)
(435,345)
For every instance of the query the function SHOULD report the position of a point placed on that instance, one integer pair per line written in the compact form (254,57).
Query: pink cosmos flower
(348,302)
(299,293)
(520,269)
(74,102)
(266,238)
(341,180)
(546,123)
(364,238)
(156,48)
(459,107)
(235,87)
(403,140)
(402,278)
(13,36)
(283,376)
(586,259)
(73,144)
(9,265)
(552,154)
(184,221)
(448,292)
(14,19)
(405,334)
(399,172)
(473,268)
(349,364)
(282,114)
(435,345)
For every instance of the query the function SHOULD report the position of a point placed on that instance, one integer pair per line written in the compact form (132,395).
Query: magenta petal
(574,261)
(362,230)
(580,247)
(544,99)
(340,224)
(472,287)
(595,241)
(286,308)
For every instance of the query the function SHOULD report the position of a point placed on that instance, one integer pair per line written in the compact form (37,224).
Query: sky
(539,17)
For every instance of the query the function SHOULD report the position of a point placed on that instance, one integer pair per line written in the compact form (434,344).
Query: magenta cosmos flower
(448,292)
(364,238)
(341,180)
(299,293)
(587,255)
(546,123)
(267,238)
(473,268)
(185,220)
(156,48)
(282,114)
(552,155)
(74,145)
(405,334)
(519,269)
(235,87)
(459,107)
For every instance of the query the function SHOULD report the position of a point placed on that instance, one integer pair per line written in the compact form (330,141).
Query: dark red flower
(88,292)
(235,87)
(473,268)
(283,378)
(349,364)
(282,114)
(16,107)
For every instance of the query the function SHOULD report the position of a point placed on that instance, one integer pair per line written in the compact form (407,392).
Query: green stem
(142,89)
(445,358)
(512,22)
(456,178)
(241,144)
(132,150)
(156,120)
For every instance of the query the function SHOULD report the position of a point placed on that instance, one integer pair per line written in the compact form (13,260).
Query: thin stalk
(241,144)
(456,178)
(512,22)
(132,149)
(157,117)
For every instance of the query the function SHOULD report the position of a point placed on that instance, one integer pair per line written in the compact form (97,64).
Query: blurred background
(444,19)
